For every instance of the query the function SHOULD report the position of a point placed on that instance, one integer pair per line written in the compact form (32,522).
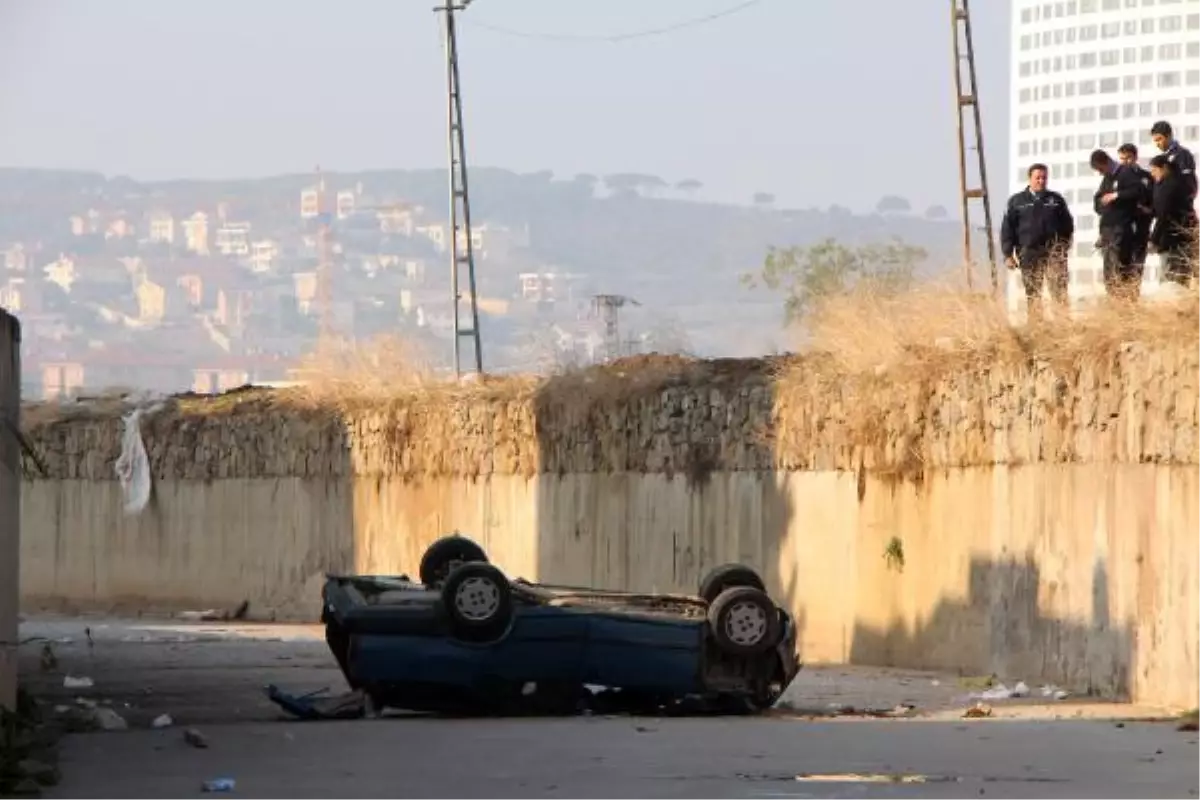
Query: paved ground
(211,676)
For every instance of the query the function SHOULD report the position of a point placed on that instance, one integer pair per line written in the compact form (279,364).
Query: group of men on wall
(1137,211)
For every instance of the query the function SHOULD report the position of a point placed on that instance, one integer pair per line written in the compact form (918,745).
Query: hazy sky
(817,101)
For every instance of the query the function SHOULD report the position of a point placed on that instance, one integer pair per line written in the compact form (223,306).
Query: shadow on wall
(650,476)
(998,630)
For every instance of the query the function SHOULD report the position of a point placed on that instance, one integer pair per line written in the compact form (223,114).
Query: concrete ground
(211,676)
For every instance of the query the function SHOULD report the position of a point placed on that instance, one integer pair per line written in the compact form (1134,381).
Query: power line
(617,37)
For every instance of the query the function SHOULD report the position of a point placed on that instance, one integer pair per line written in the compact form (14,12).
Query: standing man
(1174,222)
(1116,206)
(1180,157)
(1035,237)
(1127,154)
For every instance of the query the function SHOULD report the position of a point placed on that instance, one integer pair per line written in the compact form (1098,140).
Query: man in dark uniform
(1116,206)
(1174,222)
(1127,154)
(1035,237)
(1180,157)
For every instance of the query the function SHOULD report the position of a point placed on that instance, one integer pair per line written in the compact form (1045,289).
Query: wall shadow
(998,629)
(652,470)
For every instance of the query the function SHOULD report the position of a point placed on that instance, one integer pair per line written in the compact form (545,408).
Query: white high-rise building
(1097,73)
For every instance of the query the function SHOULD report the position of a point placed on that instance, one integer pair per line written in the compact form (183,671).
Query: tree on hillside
(806,275)
(689,186)
(635,182)
(893,204)
(936,212)
(763,199)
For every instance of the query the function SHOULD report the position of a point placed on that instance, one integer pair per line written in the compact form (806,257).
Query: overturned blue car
(468,639)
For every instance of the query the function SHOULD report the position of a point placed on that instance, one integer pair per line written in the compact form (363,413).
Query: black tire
(727,577)
(445,554)
(744,621)
(478,600)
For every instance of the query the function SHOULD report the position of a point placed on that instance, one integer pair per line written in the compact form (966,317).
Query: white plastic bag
(133,467)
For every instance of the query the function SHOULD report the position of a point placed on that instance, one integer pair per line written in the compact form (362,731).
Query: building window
(1056,118)
(1110,111)
(1148,25)
(1023,149)
(1148,53)
(1168,80)
(1129,110)
(1023,69)
(1088,6)
(1109,138)
(1191,105)
(1087,60)
(1130,55)
(1193,49)
(1025,42)
(1083,195)
(1111,5)
(1170,24)
(1068,170)
(1128,136)
(1087,87)
(1023,95)
(1193,22)
(1087,141)
(1191,133)
(1086,222)
(1146,81)
(1131,27)
(1110,30)
(1193,77)
(1070,116)
(1088,33)
(1026,16)
(1168,106)
(1110,58)
(1110,85)
(1145,108)
(1167,52)
(1129,83)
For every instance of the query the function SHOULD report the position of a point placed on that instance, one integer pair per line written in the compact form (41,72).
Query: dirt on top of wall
(878,391)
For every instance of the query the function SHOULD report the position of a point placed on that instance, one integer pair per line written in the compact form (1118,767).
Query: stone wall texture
(1046,508)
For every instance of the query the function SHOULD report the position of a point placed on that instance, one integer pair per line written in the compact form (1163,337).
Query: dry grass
(341,371)
(936,329)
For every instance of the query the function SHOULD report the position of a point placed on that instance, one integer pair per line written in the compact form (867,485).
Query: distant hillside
(648,239)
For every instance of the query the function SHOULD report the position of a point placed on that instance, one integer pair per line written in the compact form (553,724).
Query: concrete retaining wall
(10,503)
(1046,515)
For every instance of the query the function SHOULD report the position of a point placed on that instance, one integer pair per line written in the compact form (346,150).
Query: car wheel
(726,577)
(445,554)
(744,621)
(478,599)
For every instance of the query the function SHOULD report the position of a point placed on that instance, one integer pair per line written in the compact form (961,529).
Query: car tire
(744,621)
(445,554)
(727,577)
(478,599)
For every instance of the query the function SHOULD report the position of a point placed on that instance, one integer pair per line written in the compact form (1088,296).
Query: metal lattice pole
(967,97)
(462,253)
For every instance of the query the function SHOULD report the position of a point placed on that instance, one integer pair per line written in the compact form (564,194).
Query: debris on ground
(1189,721)
(71,682)
(219,785)
(49,660)
(216,615)
(195,738)
(901,711)
(1055,693)
(318,705)
(108,720)
(162,721)
(978,711)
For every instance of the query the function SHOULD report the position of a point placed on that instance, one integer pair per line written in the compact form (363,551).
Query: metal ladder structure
(967,103)
(462,254)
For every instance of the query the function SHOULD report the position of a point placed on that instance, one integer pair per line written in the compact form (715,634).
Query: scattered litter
(1020,690)
(1054,692)
(901,711)
(219,785)
(318,705)
(978,711)
(935,682)
(997,692)
(109,720)
(216,615)
(84,702)
(162,721)
(529,688)
(71,682)
(196,739)
(855,777)
(49,660)
(61,709)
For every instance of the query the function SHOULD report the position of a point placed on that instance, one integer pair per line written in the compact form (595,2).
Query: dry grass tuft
(343,371)
(935,330)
